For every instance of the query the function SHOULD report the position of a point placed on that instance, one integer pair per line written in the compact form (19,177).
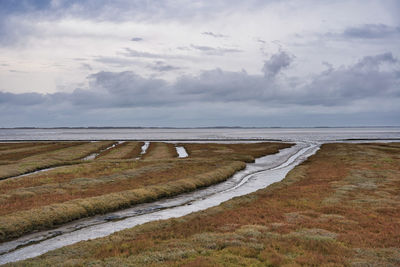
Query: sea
(204,134)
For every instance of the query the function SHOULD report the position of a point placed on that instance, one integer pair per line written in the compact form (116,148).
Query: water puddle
(94,155)
(34,172)
(255,176)
(182,153)
(144,148)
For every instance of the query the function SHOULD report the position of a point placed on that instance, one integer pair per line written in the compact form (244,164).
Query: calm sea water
(284,134)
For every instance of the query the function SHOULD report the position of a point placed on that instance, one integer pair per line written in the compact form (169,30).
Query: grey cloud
(162,66)
(147,10)
(215,51)
(121,89)
(80,59)
(374,62)
(371,31)
(362,80)
(366,79)
(14,27)
(215,35)
(183,48)
(12,30)
(223,86)
(365,32)
(86,66)
(141,54)
(136,39)
(22,99)
(134,53)
(116,61)
(276,64)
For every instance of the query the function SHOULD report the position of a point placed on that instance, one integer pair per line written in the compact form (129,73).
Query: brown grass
(17,145)
(243,152)
(157,151)
(339,208)
(13,154)
(126,150)
(60,186)
(51,158)
(18,223)
(66,193)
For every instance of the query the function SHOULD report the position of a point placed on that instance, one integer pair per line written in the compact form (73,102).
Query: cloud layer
(368,79)
(199,63)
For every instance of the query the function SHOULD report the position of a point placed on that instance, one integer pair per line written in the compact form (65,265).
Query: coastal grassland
(243,152)
(126,150)
(341,207)
(14,154)
(45,199)
(17,145)
(56,155)
(95,179)
(158,150)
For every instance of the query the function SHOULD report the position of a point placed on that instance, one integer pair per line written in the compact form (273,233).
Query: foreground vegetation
(115,179)
(339,208)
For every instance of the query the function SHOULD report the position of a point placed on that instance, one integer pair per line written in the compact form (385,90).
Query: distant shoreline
(207,127)
(197,140)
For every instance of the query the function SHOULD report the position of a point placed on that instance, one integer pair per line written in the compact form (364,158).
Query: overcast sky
(199,63)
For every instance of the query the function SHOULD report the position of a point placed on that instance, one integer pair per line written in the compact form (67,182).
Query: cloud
(86,66)
(142,54)
(371,31)
(215,35)
(366,78)
(116,61)
(277,63)
(16,71)
(26,99)
(135,53)
(365,32)
(374,62)
(161,66)
(215,51)
(352,89)
(136,39)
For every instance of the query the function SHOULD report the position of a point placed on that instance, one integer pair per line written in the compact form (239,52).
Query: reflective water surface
(284,134)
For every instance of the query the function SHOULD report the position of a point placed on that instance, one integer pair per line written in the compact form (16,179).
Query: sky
(289,63)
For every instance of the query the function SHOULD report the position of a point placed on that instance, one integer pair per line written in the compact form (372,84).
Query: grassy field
(115,179)
(158,150)
(126,150)
(44,155)
(341,207)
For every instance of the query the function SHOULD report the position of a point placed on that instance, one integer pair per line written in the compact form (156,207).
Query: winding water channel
(265,171)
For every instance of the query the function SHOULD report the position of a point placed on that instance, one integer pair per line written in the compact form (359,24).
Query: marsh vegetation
(341,207)
(116,178)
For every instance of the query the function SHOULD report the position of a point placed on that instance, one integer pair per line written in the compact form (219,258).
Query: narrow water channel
(265,171)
